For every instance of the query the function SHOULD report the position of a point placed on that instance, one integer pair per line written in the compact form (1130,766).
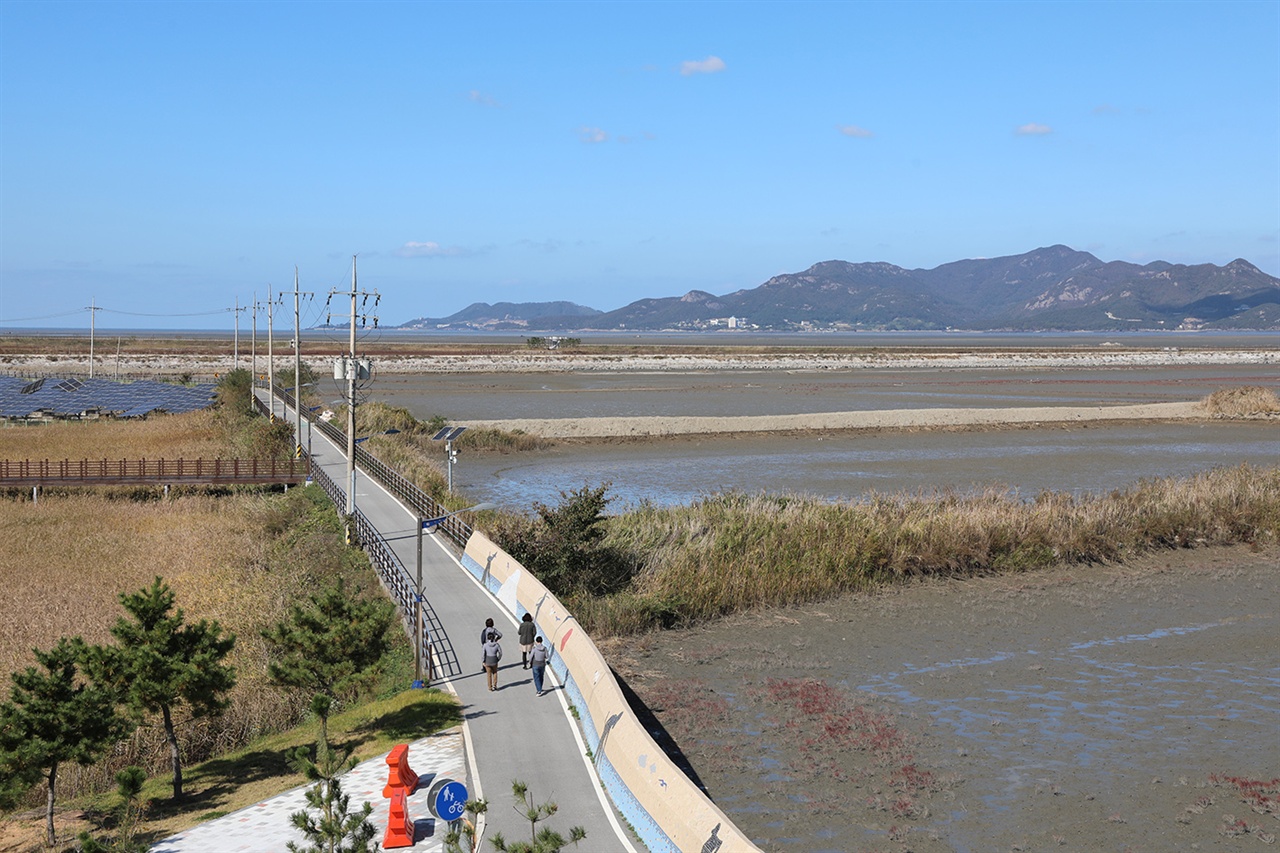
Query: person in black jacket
(488,629)
(527,630)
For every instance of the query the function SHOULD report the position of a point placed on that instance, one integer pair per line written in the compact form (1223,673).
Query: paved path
(514,734)
(266,828)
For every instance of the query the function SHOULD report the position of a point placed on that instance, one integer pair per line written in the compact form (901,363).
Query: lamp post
(311,410)
(448,435)
(429,524)
(297,410)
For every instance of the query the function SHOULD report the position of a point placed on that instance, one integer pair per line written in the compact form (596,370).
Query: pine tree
(542,839)
(54,716)
(161,663)
(334,828)
(331,645)
(129,816)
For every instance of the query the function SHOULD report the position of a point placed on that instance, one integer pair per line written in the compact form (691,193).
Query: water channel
(1080,457)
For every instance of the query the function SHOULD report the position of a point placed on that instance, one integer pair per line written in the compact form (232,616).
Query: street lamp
(430,525)
(297,411)
(448,435)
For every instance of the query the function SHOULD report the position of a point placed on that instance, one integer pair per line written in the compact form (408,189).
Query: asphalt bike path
(512,733)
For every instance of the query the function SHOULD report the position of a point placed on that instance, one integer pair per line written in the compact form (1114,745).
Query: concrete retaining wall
(667,811)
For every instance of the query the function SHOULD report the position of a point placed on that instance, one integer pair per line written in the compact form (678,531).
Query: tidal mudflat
(788,450)
(1082,708)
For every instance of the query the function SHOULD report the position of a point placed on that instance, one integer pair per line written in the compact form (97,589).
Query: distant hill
(506,315)
(1053,288)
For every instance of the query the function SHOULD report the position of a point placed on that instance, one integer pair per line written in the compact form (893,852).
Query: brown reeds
(733,552)
(412,453)
(192,435)
(1244,402)
(239,558)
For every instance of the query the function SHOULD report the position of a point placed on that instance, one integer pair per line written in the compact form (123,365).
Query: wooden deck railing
(112,472)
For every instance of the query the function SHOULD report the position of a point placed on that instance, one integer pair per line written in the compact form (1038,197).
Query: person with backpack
(490,654)
(539,655)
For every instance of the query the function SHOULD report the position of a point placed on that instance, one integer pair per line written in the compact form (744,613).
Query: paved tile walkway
(265,827)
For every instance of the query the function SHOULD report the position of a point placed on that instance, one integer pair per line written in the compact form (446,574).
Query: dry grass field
(239,556)
(193,435)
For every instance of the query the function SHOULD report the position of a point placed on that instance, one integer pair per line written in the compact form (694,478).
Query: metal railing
(392,480)
(435,646)
(100,472)
(437,651)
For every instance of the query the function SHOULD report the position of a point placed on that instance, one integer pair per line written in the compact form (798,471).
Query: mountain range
(1053,288)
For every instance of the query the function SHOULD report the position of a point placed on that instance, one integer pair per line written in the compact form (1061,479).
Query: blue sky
(167,160)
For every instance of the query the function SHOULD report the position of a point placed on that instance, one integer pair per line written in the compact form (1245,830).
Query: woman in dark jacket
(527,632)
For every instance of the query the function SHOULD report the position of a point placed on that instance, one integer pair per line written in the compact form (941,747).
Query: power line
(45,317)
(142,314)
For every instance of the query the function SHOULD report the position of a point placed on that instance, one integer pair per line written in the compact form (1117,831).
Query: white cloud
(549,246)
(430,249)
(855,131)
(710,65)
(1033,129)
(475,96)
(592,135)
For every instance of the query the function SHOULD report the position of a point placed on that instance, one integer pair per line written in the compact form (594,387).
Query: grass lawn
(246,776)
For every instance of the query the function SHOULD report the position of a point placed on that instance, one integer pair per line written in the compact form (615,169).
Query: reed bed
(192,435)
(733,552)
(239,557)
(1246,401)
(419,459)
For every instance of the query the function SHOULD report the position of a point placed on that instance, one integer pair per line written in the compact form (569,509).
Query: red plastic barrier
(401,776)
(399,824)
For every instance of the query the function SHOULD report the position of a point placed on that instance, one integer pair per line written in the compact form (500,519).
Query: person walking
(527,630)
(487,630)
(538,657)
(490,654)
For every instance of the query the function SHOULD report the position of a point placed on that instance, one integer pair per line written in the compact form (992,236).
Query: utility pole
(350,368)
(93,310)
(271,362)
(297,369)
(235,350)
(253,371)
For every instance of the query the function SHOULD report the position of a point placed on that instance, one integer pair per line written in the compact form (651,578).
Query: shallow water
(494,396)
(839,466)
(846,466)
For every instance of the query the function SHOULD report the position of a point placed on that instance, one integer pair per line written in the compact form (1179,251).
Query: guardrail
(393,481)
(109,472)
(666,809)
(437,651)
(661,803)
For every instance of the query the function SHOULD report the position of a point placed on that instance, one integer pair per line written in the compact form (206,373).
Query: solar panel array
(69,398)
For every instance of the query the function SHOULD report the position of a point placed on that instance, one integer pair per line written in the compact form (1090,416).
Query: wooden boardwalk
(27,473)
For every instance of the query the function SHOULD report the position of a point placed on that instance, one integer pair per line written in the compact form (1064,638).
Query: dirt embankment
(890,419)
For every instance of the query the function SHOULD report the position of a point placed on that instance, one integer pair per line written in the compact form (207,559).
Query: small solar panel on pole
(447,435)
